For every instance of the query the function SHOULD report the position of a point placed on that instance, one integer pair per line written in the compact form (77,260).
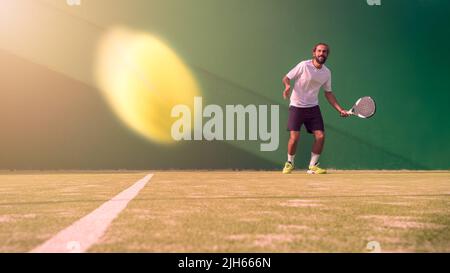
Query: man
(309,77)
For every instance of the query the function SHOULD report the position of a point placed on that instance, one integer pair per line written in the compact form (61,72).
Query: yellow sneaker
(316,170)
(288,168)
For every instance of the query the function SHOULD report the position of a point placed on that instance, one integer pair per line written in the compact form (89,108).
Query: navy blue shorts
(311,117)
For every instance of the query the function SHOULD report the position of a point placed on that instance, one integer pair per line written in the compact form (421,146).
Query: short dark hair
(324,44)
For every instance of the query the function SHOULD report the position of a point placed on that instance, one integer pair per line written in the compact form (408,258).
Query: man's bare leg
(292,145)
(319,140)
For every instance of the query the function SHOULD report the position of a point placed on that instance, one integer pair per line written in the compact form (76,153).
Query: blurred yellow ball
(142,80)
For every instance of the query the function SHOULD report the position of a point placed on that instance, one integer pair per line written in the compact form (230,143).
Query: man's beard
(321,59)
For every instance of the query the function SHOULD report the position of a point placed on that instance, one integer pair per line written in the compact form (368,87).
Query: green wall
(53,116)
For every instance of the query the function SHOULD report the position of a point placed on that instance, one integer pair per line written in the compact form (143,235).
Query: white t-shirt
(308,81)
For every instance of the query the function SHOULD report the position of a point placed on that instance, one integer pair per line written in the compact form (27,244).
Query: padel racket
(365,107)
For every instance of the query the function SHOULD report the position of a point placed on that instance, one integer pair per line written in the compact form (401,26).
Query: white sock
(291,158)
(314,159)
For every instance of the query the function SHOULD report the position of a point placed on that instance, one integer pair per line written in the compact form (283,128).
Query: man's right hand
(286,93)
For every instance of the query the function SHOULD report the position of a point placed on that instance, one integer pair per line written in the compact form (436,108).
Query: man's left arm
(333,101)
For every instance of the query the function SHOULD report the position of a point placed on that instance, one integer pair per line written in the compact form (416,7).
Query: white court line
(82,234)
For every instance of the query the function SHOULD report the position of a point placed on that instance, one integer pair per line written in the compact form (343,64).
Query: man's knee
(319,135)
(294,137)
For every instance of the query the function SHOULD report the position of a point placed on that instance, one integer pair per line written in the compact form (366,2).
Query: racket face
(364,108)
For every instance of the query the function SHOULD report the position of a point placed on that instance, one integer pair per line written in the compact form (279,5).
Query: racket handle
(350,112)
